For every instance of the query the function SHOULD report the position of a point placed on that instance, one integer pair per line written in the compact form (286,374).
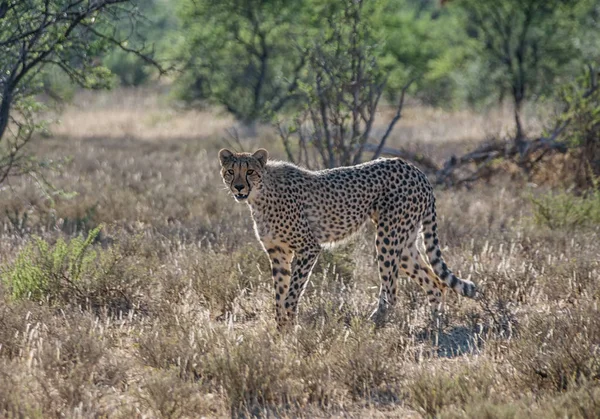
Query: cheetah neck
(275,188)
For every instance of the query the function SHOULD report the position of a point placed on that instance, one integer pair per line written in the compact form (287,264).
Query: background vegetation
(131,284)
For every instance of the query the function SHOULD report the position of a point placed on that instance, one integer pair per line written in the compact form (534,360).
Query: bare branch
(234,139)
(284,134)
(345,85)
(390,127)
(144,56)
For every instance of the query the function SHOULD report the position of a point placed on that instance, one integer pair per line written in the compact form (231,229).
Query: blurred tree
(249,55)
(36,35)
(523,46)
(343,86)
(156,24)
(579,125)
(414,34)
(241,54)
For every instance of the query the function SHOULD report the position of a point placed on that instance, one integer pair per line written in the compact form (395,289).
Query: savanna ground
(168,310)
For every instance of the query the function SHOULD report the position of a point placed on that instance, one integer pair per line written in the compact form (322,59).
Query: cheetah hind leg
(414,265)
(387,243)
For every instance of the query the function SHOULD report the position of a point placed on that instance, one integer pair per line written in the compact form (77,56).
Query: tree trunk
(5,110)
(520,133)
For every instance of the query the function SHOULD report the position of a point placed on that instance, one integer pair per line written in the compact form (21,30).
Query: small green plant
(566,210)
(75,272)
(43,271)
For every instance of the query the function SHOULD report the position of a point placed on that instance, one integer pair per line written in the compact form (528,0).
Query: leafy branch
(65,34)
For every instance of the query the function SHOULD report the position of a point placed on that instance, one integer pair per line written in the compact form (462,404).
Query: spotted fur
(295,211)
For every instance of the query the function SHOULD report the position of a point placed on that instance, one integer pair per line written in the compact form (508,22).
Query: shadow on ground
(453,342)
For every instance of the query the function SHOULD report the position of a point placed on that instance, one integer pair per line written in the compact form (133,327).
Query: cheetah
(296,211)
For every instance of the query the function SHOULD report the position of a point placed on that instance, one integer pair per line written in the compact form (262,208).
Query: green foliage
(43,271)
(57,85)
(416,38)
(130,70)
(520,48)
(76,272)
(580,116)
(39,39)
(249,56)
(241,54)
(471,50)
(157,28)
(566,210)
(344,83)
(581,100)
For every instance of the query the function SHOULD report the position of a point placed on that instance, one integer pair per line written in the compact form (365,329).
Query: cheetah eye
(230,171)
(250,171)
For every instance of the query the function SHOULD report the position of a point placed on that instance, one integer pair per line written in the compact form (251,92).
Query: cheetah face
(242,172)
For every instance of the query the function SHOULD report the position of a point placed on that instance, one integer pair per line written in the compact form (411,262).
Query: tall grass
(168,310)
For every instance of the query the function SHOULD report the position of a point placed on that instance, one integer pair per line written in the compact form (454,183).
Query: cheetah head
(242,172)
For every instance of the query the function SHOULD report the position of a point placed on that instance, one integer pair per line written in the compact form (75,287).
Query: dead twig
(396,118)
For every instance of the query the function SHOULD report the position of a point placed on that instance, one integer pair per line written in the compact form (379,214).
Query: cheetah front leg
(302,266)
(281,263)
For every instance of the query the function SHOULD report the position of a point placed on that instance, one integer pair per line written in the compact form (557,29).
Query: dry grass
(199,338)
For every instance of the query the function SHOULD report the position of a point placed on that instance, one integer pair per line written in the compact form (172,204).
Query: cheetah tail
(460,286)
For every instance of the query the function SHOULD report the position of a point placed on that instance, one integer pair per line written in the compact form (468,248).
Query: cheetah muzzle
(295,211)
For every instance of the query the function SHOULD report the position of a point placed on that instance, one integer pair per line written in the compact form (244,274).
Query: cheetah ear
(261,155)
(224,156)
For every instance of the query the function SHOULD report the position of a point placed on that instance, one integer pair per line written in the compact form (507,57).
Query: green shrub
(42,271)
(76,272)
(57,85)
(566,210)
(580,116)
(129,69)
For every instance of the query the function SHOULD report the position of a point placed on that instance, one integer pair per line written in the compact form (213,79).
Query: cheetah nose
(239,187)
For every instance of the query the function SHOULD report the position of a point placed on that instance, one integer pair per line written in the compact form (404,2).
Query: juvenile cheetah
(295,211)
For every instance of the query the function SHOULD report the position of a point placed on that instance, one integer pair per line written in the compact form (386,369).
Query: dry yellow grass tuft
(172,315)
